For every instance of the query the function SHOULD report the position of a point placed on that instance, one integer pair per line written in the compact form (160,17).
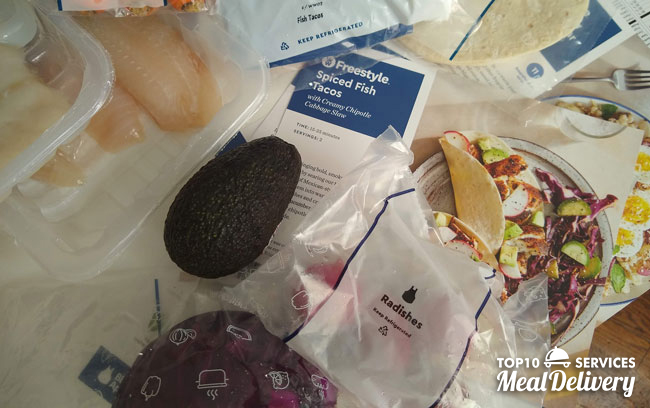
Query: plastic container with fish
(183,87)
(55,77)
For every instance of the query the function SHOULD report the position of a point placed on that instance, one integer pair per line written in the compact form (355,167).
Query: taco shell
(483,249)
(478,202)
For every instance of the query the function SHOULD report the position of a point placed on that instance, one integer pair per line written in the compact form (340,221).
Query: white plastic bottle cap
(17,22)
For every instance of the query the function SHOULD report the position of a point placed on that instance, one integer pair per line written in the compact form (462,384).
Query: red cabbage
(558,192)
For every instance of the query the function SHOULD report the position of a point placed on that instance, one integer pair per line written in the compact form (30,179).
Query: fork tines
(636,79)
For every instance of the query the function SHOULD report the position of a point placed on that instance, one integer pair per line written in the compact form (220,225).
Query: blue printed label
(357,93)
(104,373)
(596,28)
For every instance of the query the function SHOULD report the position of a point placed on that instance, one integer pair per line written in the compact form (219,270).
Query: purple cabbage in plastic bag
(224,359)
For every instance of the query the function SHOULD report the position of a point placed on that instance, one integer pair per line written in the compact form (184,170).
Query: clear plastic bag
(134,8)
(288,32)
(365,294)
(88,334)
(524,46)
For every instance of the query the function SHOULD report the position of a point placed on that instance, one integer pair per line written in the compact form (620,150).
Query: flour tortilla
(478,202)
(509,28)
(487,256)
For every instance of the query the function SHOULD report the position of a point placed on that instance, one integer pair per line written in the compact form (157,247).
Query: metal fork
(622,79)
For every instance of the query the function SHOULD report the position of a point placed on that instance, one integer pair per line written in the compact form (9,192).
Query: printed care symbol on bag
(409,295)
(328,62)
(105,375)
(239,333)
(280,379)
(284,46)
(212,379)
(383,330)
(526,331)
(321,383)
(150,387)
(534,293)
(557,356)
(179,336)
(314,250)
(300,300)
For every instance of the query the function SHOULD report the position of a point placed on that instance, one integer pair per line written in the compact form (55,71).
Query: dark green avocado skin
(224,216)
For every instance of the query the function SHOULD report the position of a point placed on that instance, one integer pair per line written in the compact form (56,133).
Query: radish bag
(366,292)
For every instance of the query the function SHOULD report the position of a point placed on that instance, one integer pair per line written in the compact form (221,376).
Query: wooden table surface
(626,334)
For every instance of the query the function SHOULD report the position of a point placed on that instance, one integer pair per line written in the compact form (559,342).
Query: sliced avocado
(508,255)
(442,219)
(494,155)
(592,269)
(512,231)
(224,216)
(617,277)
(573,207)
(484,144)
(553,271)
(538,219)
(576,251)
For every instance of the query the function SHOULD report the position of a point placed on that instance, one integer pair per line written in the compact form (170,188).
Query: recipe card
(332,111)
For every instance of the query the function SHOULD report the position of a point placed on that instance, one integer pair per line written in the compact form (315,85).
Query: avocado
(224,216)
(442,219)
(512,231)
(494,155)
(508,255)
(538,219)
(484,144)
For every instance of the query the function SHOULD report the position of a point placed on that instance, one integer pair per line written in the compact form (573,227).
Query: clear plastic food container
(66,59)
(76,232)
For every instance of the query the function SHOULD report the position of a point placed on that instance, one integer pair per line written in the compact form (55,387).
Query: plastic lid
(17,23)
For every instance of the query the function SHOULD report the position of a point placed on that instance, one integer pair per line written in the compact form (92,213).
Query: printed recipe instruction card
(332,111)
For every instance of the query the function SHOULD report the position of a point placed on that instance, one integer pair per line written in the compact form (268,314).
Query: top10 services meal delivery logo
(559,380)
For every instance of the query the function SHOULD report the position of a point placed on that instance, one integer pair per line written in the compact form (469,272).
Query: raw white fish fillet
(60,171)
(27,106)
(162,73)
(117,125)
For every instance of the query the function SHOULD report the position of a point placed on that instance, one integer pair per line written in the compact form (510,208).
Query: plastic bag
(288,32)
(134,8)
(364,294)
(526,47)
(159,337)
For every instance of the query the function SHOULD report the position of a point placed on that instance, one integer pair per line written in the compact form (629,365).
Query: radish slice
(516,203)
(511,272)
(458,140)
(464,248)
(446,234)
(644,271)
